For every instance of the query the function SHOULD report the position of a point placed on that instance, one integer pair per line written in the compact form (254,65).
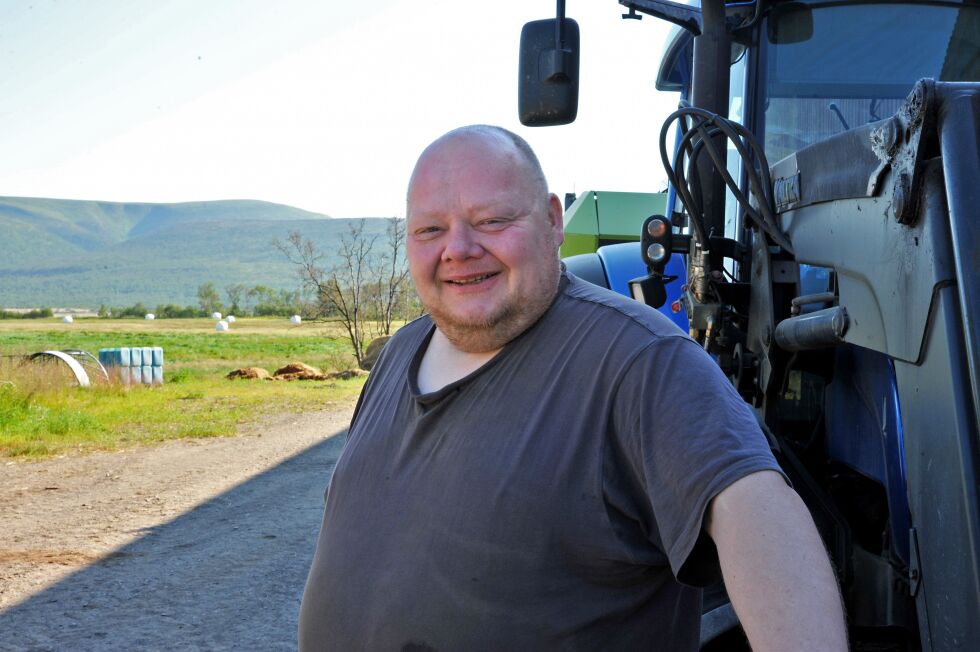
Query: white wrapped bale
(68,319)
(150,316)
(216,316)
(157,358)
(136,356)
(146,374)
(116,363)
(221,326)
(230,319)
(296,319)
(113,357)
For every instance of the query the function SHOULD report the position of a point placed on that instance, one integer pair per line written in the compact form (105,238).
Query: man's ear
(555,218)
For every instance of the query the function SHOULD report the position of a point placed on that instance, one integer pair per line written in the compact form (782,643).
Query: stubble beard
(492,333)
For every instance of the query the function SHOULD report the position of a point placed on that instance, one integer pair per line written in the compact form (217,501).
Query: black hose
(697,139)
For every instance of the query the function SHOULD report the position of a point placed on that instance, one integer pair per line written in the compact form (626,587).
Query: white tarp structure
(80,374)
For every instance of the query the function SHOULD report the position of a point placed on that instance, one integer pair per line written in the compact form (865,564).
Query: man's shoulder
(416,329)
(581,297)
(405,342)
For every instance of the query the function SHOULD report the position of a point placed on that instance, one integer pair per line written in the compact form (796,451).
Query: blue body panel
(864,429)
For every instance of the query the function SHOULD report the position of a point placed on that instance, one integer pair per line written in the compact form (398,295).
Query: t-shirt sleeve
(686,435)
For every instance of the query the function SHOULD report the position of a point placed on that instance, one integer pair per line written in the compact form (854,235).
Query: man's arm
(775,567)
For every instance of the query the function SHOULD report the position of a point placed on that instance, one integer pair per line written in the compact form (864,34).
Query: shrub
(39,313)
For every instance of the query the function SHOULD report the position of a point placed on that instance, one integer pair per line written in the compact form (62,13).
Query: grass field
(40,414)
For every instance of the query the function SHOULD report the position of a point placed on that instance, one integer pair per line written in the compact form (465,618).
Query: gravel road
(190,545)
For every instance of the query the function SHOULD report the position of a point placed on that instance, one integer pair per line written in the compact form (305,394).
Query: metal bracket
(687,17)
(915,572)
(898,144)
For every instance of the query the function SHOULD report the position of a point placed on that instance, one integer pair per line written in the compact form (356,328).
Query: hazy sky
(320,104)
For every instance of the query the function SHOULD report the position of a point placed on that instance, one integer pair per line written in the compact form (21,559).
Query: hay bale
(302,375)
(221,326)
(251,373)
(216,316)
(68,319)
(149,316)
(296,319)
(297,368)
(230,319)
(373,351)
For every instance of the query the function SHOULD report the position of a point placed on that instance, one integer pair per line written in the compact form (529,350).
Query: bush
(30,314)
(171,311)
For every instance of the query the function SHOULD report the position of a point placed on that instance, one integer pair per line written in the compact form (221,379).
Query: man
(541,464)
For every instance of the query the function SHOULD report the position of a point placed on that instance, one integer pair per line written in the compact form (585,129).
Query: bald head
(482,237)
(488,141)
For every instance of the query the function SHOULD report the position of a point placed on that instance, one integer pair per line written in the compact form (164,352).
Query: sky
(319,104)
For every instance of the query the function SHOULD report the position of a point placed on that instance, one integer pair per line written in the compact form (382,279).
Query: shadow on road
(228,574)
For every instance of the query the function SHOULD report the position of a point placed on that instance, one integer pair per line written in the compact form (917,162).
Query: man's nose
(461,244)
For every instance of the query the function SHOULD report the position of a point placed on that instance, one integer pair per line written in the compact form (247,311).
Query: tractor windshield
(840,66)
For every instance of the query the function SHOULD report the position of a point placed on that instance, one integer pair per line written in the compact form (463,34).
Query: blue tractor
(821,239)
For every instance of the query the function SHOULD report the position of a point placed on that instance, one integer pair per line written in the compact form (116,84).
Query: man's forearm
(776,569)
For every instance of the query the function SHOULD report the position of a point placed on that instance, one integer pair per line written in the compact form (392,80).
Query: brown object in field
(299,371)
(254,373)
(373,351)
(294,371)
(300,368)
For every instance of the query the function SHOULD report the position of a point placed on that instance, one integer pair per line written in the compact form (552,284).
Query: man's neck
(443,363)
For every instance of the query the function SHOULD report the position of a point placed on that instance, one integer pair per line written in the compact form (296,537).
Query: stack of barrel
(134,365)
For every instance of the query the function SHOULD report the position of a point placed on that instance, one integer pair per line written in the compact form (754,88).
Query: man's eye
(427,232)
(493,223)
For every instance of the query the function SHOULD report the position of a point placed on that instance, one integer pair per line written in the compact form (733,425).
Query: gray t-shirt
(547,501)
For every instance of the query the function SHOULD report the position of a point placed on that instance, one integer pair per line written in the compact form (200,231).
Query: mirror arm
(687,17)
(559,24)
(555,62)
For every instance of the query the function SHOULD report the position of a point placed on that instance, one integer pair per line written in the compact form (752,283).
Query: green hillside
(84,253)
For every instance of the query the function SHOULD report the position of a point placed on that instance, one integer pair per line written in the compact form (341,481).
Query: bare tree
(391,273)
(362,288)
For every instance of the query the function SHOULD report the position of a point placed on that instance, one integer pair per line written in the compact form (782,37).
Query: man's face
(482,241)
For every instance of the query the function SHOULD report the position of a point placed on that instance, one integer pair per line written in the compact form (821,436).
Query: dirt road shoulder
(189,530)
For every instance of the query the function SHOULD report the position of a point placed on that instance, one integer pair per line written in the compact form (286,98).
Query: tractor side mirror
(548,73)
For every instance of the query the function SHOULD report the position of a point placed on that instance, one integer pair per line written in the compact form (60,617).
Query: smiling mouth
(473,280)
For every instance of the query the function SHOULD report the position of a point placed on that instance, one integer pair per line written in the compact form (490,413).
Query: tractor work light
(656,253)
(656,243)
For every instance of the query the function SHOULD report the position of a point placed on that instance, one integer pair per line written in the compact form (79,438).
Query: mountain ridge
(87,253)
